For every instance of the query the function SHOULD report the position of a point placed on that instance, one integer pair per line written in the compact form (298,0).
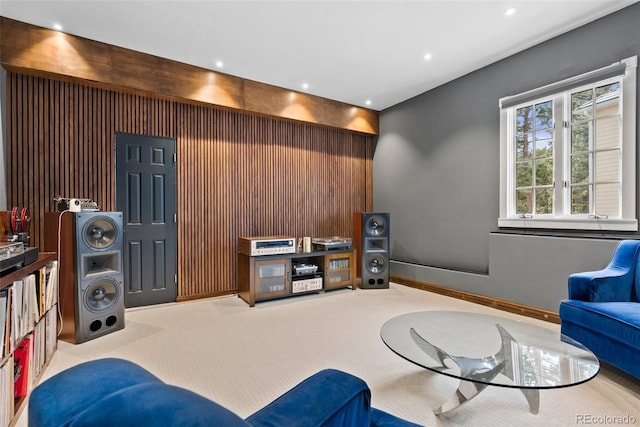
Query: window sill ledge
(570,224)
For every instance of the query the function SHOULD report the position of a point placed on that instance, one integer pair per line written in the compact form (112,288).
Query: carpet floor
(243,358)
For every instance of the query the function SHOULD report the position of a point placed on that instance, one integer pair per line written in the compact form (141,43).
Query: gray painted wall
(436,170)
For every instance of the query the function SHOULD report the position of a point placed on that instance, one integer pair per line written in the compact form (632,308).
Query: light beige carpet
(243,358)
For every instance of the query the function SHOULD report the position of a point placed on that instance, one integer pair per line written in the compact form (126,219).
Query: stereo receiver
(267,245)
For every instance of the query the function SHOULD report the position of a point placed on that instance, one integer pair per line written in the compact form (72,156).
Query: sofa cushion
(82,386)
(611,330)
(618,320)
(327,398)
(156,404)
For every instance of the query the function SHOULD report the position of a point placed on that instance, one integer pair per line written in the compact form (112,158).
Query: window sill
(570,224)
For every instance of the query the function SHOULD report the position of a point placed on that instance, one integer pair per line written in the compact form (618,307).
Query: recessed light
(427,56)
(219,64)
(305,85)
(510,11)
(368,102)
(57,27)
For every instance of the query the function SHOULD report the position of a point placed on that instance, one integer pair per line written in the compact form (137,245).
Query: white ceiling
(350,51)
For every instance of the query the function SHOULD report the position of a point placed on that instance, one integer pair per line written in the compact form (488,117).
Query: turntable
(331,243)
(14,255)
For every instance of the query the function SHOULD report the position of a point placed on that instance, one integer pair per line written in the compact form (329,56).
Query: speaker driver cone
(100,233)
(101,295)
(376,226)
(376,264)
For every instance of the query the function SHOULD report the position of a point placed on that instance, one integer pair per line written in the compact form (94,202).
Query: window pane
(607,166)
(524,119)
(607,199)
(607,132)
(544,147)
(524,174)
(544,200)
(544,172)
(580,169)
(544,115)
(608,99)
(580,200)
(524,146)
(544,134)
(580,138)
(524,201)
(582,105)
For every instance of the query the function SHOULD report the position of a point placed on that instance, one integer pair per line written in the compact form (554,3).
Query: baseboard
(207,295)
(499,304)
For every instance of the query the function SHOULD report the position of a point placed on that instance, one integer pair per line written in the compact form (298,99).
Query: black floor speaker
(371,240)
(90,272)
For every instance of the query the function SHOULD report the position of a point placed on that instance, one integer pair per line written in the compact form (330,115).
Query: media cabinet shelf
(266,277)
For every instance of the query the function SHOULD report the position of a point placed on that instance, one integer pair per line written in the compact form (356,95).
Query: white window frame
(560,219)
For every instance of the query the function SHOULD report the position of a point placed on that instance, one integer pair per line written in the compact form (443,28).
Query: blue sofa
(603,311)
(116,392)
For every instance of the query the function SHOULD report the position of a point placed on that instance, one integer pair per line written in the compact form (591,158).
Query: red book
(21,357)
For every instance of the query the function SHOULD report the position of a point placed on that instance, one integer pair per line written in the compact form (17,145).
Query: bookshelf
(28,322)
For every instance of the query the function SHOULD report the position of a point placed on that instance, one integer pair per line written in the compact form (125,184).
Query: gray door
(146,195)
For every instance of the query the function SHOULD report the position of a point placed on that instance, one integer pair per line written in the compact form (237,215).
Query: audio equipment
(302,269)
(371,236)
(75,205)
(306,285)
(329,243)
(17,227)
(89,246)
(267,245)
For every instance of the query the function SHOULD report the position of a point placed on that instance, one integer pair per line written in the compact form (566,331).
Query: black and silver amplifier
(300,269)
(267,245)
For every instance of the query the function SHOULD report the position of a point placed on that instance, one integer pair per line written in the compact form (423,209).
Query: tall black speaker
(371,237)
(90,268)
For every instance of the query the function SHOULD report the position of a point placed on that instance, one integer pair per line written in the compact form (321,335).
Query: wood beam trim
(511,307)
(33,50)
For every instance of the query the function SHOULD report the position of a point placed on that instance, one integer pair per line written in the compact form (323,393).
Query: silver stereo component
(300,269)
(305,285)
(267,245)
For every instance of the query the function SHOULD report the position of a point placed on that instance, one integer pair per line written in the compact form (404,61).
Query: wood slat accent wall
(237,174)
(29,49)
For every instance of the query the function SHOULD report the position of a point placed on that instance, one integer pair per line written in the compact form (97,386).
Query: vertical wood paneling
(237,174)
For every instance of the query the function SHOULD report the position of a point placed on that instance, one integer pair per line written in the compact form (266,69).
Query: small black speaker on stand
(371,240)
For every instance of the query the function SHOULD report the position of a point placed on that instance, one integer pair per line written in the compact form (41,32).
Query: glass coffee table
(482,350)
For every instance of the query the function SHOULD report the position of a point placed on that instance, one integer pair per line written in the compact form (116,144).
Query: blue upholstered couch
(116,392)
(603,311)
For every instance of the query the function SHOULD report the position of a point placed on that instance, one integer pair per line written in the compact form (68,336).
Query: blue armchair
(603,311)
(116,392)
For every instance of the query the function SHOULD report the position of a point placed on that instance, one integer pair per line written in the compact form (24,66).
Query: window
(567,153)
(534,158)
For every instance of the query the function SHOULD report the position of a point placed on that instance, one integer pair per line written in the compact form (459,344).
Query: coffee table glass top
(489,349)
